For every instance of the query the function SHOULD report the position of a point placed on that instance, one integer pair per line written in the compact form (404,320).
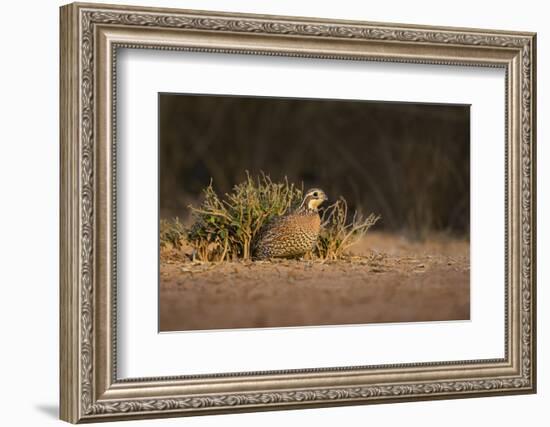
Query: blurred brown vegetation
(410,163)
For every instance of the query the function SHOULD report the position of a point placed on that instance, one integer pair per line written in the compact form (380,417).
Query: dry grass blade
(338,234)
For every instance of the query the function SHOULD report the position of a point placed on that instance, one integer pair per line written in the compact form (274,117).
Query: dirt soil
(388,279)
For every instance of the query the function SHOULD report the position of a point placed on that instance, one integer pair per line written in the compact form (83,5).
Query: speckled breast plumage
(289,236)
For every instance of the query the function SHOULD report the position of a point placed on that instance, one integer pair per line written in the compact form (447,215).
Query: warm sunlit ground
(389,280)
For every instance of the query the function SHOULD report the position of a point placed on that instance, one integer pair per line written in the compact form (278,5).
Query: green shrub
(172,232)
(224,229)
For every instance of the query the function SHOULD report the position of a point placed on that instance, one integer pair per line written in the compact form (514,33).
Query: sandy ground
(387,280)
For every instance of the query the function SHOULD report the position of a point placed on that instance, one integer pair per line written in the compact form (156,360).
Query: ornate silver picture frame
(91,34)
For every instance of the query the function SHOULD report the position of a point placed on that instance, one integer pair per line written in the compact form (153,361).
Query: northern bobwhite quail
(293,234)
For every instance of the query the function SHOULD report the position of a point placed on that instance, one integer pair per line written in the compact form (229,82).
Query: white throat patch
(313,204)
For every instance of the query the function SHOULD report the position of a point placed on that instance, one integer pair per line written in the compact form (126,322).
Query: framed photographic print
(265,212)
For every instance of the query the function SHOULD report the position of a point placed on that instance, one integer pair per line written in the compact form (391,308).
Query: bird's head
(313,199)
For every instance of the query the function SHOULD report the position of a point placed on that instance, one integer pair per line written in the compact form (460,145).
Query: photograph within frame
(141,78)
(391,240)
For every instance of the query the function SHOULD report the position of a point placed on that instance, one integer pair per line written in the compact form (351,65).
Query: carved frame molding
(90,37)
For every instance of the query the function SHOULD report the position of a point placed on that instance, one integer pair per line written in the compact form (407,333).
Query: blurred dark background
(408,162)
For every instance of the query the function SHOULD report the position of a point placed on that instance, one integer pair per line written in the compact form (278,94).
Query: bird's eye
(315,194)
